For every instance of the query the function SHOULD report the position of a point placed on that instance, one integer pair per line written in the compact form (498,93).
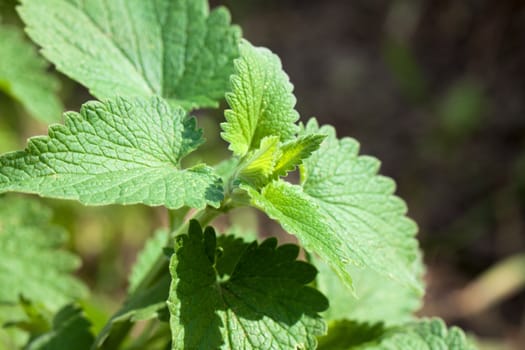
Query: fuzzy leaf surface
(345,212)
(425,334)
(176,49)
(366,218)
(31,263)
(121,151)
(263,303)
(261,101)
(23,76)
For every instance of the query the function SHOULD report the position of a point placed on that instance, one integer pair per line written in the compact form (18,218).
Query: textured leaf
(115,152)
(345,212)
(376,298)
(264,302)
(70,331)
(176,49)
(30,262)
(23,76)
(294,152)
(273,159)
(147,258)
(366,218)
(260,163)
(261,101)
(427,334)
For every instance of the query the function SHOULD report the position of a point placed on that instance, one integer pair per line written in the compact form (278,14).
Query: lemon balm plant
(150,64)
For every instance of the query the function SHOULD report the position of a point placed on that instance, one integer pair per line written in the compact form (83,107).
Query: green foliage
(34,272)
(367,222)
(176,49)
(31,263)
(273,159)
(349,335)
(120,151)
(345,212)
(427,334)
(23,76)
(263,304)
(376,298)
(261,101)
(145,304)
(148,62)
(146,259)
(70,330)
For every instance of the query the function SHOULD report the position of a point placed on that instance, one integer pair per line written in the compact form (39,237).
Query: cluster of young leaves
(150,64)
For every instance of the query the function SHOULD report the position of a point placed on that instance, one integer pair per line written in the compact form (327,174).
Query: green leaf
(23,76)
(261,101)
(263,303)
(230,250)
(426,334)
(30,318)
(294,152)
(18,321)
(349,335)
(121,151)
(147,258)
(31,263)
(367,219)
(147,302)
(144,304)
(375,299)
(70,331)
(345,212)
(226,168)
(260,163)
(273,159)
(176,49)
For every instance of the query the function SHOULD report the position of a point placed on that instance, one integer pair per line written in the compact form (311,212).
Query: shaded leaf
(426,334)
(70,331)
(263,304)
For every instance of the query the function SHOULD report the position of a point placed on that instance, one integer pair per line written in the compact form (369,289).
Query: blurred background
(434,89)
